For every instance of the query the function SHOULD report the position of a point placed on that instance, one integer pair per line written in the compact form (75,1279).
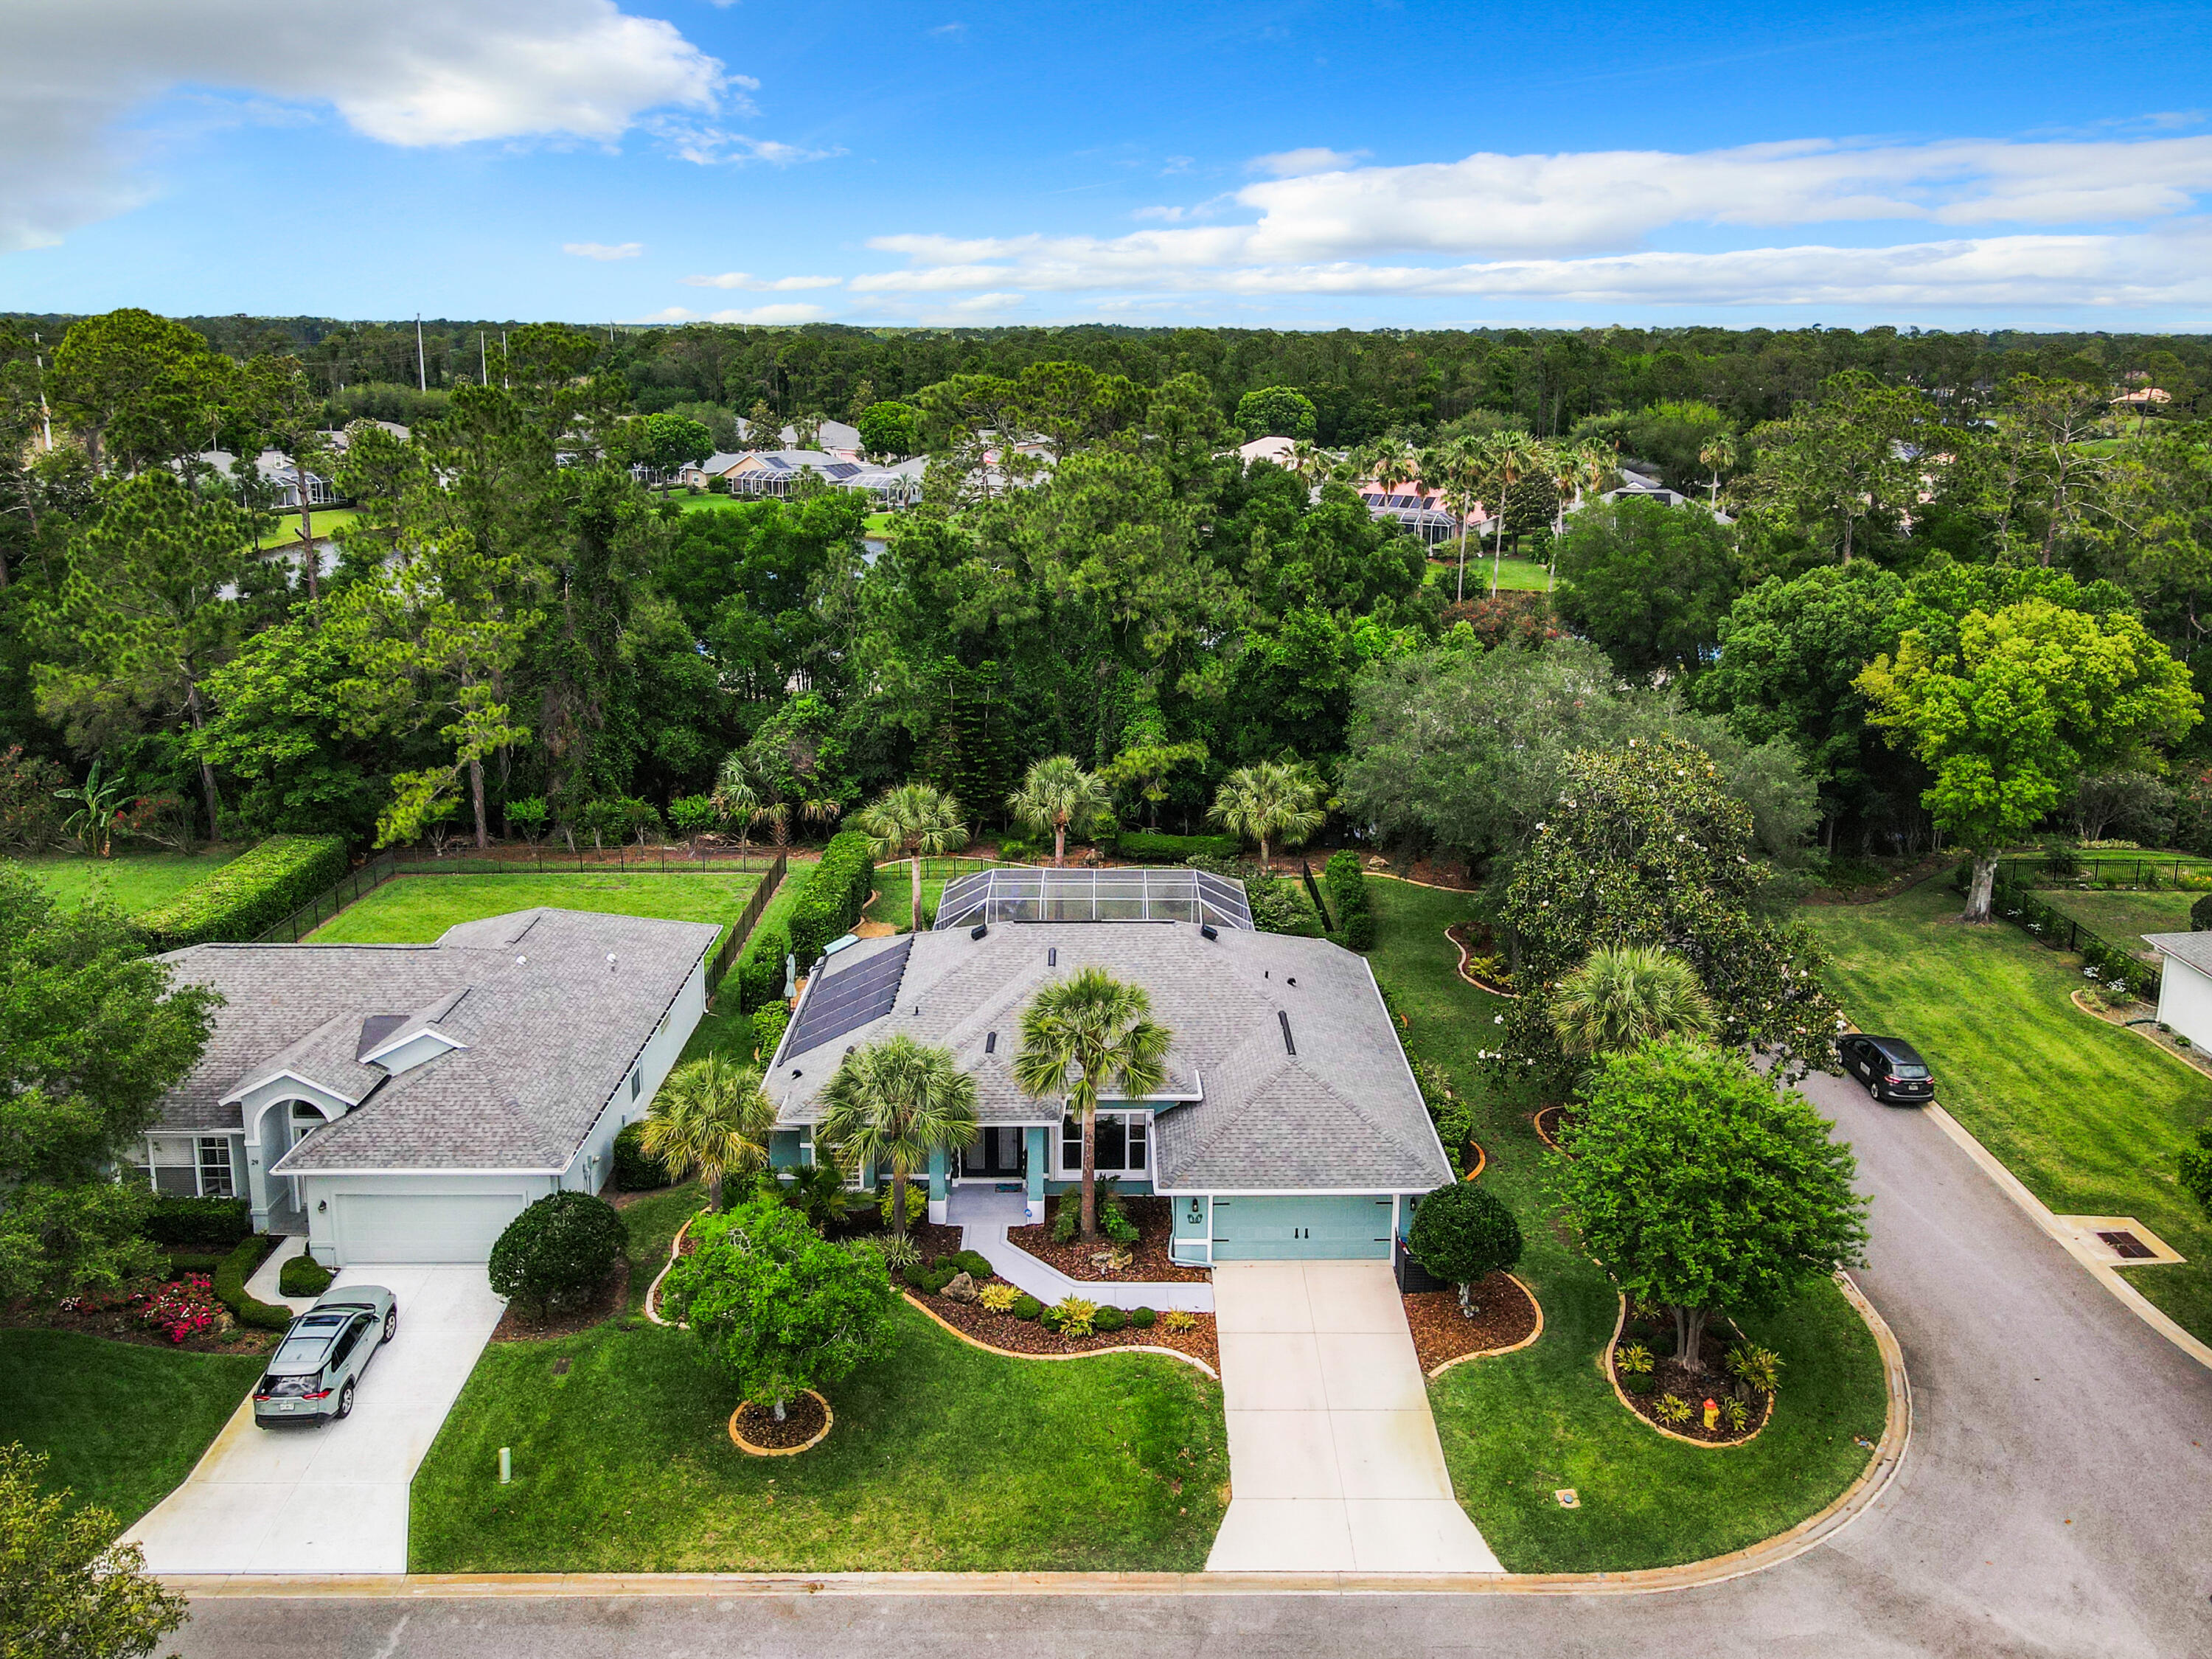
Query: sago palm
(738,798)
(1272,800)
(894,1102)
(1627,995)
(1056,793)
(1082,1037)
(913,821)
(712,1117)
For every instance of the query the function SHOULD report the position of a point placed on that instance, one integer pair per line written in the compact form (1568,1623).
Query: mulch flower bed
(601,1305)
(1657,1333)
(1504,1314)
(1028,1336)
(1549,1123)
(804,1416)
(1148,1256)
(125,1318)
(1473,939)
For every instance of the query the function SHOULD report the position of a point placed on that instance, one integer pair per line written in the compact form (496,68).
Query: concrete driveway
(333,1498)
(1333,1460)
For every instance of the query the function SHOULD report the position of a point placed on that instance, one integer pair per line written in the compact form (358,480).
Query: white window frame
(1138,1118)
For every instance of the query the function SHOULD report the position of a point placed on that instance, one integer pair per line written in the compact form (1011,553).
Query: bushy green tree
(1462,1232)
(557,1249)
(1702,1190)
(778,1308)
(68,1590)
(1650,584)
(891,429)
(1279,412)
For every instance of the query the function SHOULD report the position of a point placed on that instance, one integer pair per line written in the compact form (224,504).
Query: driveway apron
(333,1498)
(1333,1460)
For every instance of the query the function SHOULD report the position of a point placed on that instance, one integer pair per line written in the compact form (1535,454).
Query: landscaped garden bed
(757,1428)
(519,1324)
(1149,1259)
(1650,1375)
(1505,1317)
(178,1314)
(1031,1338)
(1550,1123)
(1479,964)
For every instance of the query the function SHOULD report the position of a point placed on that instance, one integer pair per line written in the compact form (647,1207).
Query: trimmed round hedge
(559,1248)
(1463,1234)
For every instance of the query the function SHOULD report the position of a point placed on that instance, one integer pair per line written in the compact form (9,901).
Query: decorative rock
(961,1288)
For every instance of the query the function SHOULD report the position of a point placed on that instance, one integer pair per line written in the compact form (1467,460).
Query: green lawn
(122,1424)
(653,1221)
(894,895)
(2093,1119)
(2123,916)
(1524,573)
(1518,1427)
(328,521)
(943,1458)
(415,909)
(136,881)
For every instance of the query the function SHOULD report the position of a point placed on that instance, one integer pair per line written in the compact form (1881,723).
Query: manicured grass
(122,1424)
(893,900)
(415,909)
(1518,1427)
(2123,916)
(942,1458)
(653,1221)
(135,881)
(877,524)
(1521,573)
(328,521)
(2092,1118)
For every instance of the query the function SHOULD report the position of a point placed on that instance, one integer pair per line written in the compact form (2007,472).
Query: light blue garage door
(1301,1229)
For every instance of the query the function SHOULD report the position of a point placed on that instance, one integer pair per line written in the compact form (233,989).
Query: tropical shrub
(205,1223)
(831,904)
(974,1263)
(1142,1318)
(1028,1309)
(182,1308)
(557,1249)
(1756,1368)
(1672,1410)
(901,1254)
(769,1025)
(248,896)
(302,1275)
(1109,1320)
(917,1206)
(999,1298)
(1072,1316)
(30,816)
(1178,1319)
(1150,846)
(1632,1359)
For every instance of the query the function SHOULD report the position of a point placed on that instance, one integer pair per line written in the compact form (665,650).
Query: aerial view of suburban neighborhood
(1353,829)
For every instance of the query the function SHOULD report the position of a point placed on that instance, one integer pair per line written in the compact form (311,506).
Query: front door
(997,1155)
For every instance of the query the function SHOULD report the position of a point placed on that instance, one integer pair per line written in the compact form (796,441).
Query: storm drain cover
(2127,1246)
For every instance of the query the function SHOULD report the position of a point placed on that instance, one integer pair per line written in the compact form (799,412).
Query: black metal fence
(2046,923)
(2099,870)
(733,943)
(325,905)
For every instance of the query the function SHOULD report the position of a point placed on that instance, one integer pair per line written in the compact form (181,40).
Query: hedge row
(760,969)
(249,895)
(230,1286)
(198,1224)
(1348,899)
(1148,845)
(2020,906)
(831,904)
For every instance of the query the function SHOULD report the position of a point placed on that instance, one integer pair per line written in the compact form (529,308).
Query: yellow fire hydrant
(1712,1413)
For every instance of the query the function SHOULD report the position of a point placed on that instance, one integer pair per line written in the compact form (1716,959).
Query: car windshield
(300,1353)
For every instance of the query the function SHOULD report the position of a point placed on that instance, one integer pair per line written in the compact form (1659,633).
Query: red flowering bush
(183,1308)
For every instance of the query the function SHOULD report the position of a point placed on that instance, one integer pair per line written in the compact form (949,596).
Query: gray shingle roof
(2195,949)
(1343,1113)
(549,1037)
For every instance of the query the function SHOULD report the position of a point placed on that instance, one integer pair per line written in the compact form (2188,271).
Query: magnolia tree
(1701,1188)
(778,1309)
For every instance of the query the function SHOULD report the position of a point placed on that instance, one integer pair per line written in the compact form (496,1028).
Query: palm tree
(1455,471)
(711,1116)
(820,810)
(1056,792)
(913,821)
(1719,455)
(737,797)
(1306,461)
(1273,799)
(1395,463)
(1590,465)
(1081,1036)
(1624,996)
(1508,457)
(893,1103)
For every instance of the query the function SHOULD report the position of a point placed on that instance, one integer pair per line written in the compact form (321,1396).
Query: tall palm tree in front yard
(1274,800)
(894,1102)
(1624,996)
(712,1117)
(1081,1036)
(1056,793)
(913,821)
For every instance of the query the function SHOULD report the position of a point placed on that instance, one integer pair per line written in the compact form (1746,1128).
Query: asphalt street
(2056,1500)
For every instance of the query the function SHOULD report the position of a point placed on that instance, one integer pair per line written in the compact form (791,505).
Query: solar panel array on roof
(848,1000)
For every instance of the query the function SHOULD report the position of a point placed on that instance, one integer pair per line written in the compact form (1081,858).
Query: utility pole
(45,415)
(484,368)
(421,366)
(503,382)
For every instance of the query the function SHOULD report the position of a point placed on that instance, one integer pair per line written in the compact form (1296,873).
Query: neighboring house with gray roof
(1289,1124)
(2185,983)
(403,1103)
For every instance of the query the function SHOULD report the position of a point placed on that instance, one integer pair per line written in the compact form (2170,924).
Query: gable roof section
(547,1028)
(1341,1114)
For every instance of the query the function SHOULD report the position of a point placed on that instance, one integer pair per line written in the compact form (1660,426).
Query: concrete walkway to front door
(1333,1460)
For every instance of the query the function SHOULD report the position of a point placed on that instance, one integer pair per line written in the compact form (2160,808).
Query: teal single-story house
(1289,1127)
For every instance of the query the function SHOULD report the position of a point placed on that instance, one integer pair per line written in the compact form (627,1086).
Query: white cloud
(761,285)
(781,313)
(1285,164)
(978,302)
(949,29)
(1576,227)
(603,251)
(411,73)
(709,145)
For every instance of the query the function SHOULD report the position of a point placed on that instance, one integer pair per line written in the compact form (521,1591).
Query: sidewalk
(983,1216)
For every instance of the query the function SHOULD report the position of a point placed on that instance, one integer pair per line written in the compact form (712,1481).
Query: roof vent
(610,959)
(519,961)
(1289,1047)
(795,1070)
(1207,930)
(1052,957)
(1292,979)
(990,1043)
(978,930)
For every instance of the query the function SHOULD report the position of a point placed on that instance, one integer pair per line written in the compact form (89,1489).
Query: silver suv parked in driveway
(312,1376)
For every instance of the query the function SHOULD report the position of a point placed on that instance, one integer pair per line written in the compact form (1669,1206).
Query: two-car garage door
(421,1227)
(1302,1229)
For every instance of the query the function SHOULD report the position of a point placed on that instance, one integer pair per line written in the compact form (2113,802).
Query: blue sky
(1291,165)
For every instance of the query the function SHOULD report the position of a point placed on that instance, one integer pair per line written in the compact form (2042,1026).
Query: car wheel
(1874,1090)
(391,1324)
(345,1400)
